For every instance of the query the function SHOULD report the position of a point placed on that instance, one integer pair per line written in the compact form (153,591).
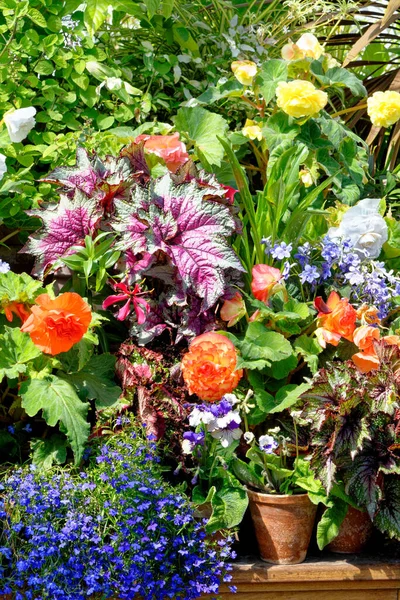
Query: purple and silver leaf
(64,225)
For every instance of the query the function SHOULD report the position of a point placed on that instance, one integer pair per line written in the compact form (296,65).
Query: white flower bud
(20,122)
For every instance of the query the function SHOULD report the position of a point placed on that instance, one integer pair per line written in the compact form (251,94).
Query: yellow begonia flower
(291,52)
(384,108)
(309,44)
(251,130)
(306,178)
(300,98)
(306,45)
(244,71)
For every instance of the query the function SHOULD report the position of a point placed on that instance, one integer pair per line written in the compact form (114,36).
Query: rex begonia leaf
(184,223)
(58,402)
(81,176)
(64,225)
(17,349)
(388,515)
(95,381)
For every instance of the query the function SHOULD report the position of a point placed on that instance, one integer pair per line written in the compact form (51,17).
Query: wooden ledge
(333,578)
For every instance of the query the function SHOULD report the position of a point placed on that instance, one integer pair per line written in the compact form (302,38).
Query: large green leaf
(95,381)
(263,347)
(46,453)
(331,520)
(58,402)
(202,128)
(338,77)
(229,505)
(17,349)
(309,349)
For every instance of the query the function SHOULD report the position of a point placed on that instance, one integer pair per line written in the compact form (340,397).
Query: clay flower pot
(354,533)
(283,526)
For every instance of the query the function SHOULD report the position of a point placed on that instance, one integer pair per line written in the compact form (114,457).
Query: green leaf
(338,77)
(104,121)
(49,452)
(246,474)
(44,67)
(262,345)
(96,381)
(81,80)
(269,75)
(228,89)
(202,127)
(264,401)
(18,288)
(309,349)
(287,396)
(229,505)
(17,349)
(37,17)
(331,520)
(95,15)
(58,402)
(152,7)
(279,128)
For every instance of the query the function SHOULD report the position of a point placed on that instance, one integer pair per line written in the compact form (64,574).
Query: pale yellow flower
(309,44)
(244,71)
(251,130)
(291,52)
(306,178)
(384,108)
(300,98)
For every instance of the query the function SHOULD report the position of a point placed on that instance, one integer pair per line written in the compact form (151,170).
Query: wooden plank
(316,595)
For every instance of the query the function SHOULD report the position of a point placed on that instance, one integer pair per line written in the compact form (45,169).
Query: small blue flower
(281,250)
(310,274)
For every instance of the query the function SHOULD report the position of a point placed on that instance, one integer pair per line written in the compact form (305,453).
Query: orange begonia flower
(364,337)
(233,310)
(17,308)
(368,314)
(336,316)
(168,147)
(209,368)
(56,325)
(264,280)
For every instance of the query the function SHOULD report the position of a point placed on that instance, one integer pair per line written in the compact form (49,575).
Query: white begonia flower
(364,227)
(20,122)
(3,166)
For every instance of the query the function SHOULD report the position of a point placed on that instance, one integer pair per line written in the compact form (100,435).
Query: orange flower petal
(366,362)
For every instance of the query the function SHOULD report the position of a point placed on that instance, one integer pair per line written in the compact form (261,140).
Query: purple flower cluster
(337,263)
(221,420)
(117,530)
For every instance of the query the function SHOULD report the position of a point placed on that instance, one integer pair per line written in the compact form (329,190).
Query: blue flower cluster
(117,530)
(337,263)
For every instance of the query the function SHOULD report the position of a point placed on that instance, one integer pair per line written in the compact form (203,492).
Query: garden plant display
(209,323)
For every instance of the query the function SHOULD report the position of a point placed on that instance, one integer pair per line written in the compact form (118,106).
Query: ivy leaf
(49,452)
(202,128)
(64,225)
(58,402)
(17,349)
(96,381)
(270,74)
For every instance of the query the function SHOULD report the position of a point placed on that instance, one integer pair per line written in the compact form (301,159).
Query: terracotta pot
(354,533)
(283,526)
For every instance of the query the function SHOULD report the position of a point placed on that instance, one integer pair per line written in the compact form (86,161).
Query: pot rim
(283,498)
